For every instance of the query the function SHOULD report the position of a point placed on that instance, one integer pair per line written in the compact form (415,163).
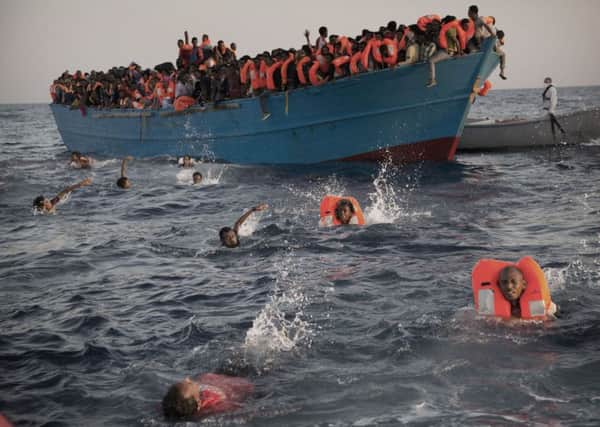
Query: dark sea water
(119,294)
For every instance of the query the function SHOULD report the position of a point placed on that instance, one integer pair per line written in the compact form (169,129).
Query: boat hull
(580,126)
(389,113)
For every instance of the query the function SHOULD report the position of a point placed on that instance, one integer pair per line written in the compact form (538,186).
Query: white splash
(250,225)
(185,176)
(280,326)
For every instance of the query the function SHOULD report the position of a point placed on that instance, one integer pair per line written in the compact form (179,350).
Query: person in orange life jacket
(229,236)
(453,47)
(343,213)
(482,29)
(411,40)
(209,394)
(197,178)
(124,182)
(44,205)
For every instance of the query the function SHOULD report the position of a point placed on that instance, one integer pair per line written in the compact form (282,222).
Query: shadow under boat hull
(579,126)
(371,116)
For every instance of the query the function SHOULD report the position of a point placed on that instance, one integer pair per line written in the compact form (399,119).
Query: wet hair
(222,232)
(175,406)
(122,182)
(38,202)
(473,9)
(195,174)
(340,205)
(76,154)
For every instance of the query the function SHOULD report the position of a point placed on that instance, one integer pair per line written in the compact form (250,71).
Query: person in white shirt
(550,101)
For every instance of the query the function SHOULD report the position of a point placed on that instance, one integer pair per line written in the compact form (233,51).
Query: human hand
(128,158)
(261,207)
(85,182)
(306,33)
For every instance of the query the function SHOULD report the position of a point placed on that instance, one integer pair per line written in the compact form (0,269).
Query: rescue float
(367,117)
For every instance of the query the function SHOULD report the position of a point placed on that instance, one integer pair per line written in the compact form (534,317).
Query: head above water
(41,204)
(197,177)
(124,182)
(75,156)
(344,211)
(182,400)
(229,237)
(512,283)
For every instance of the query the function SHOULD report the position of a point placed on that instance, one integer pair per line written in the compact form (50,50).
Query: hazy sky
(42,38)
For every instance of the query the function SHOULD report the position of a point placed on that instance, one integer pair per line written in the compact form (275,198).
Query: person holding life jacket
(425,20)
(452,41)
(208,394)
(506,290)
(336,211)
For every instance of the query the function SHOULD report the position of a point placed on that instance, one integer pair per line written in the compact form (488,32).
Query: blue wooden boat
(365,117)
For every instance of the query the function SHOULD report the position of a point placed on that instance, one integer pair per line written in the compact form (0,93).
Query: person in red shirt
(209,394)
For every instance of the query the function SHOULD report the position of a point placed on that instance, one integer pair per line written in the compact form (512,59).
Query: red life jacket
(313,74)
(535,301)
(284,68)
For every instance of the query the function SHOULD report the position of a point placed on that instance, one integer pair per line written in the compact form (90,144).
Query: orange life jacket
(255,79)
(327,210)
(300,69)
(356,59)
(487,85)
(270,71)
(426,19)
(313,75)
(489,20)
(392,51)
(372,48)
(262,73)
(284,68)
(462,36)
(244,71)
(338,63)
(346,45)
(183,102)
(535,301)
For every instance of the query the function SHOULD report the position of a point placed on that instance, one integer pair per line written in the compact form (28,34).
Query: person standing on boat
(550,101)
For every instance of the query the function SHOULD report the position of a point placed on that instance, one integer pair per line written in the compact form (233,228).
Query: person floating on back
(210,394)
(44,205)
(80,161)
(123,182)
(336,210)
(229,236)
(503,289)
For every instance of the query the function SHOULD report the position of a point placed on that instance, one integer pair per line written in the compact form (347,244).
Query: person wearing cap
(550,101)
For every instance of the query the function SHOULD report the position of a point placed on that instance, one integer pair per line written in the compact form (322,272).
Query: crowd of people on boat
(207,73)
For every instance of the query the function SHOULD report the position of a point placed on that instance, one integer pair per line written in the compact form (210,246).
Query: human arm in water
(244,217)
(67,190)
(124,165)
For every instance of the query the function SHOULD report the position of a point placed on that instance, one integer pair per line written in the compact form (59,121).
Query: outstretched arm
(307,35)
(244,217)
(124,163)
(67,190)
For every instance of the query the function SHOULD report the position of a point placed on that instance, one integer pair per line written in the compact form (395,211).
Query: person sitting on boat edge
(482,29)
(229,236)
(124,182)
(451,42)
(209,394)
(44,205)
(508,290)
(80,161)
(336,211)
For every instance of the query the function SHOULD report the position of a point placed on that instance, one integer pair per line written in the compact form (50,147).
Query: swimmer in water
(197,177)
(80,161)
(44,205)
(345,211)
(512,284)
(124,182)
(186,162)
(209,394)
(229,236)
